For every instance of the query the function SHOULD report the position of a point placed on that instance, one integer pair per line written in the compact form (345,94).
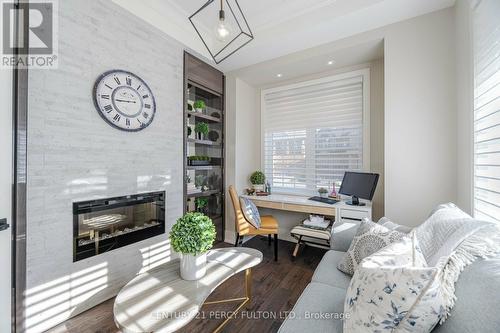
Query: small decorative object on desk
(268,188)
(199,106)
(192,236)
(322,192)
(333,194)
(250,191)
(258,180)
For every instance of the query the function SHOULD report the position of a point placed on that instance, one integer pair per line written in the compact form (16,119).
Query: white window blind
(315,131)
(486,32)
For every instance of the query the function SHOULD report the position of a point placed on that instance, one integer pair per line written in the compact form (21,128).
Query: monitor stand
(355,201)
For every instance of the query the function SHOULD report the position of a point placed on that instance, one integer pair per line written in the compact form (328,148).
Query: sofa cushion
(327,272)
(394,290)
(342,235)
(250,212)
(318,309)
(370,237)
(477,307)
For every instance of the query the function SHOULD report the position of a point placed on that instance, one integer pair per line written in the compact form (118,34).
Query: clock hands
(124,101)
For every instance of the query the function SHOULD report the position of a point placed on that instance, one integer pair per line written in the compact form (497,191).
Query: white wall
(419,121)
(242,149)
(73,155)
(420,116)
(465,91)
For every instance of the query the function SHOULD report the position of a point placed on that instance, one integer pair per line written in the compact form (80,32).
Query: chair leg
(237,239)
(275,247)
(269,239)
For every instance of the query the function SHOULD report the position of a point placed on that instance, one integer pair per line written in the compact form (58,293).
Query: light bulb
(222,30)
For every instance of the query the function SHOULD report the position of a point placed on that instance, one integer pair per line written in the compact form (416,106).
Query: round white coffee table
(160,301)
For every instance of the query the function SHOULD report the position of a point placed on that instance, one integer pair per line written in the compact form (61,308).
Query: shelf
(203,194)
(204,117)
(202,167)
(204,142)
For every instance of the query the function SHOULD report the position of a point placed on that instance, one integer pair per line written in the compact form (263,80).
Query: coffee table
(160,301)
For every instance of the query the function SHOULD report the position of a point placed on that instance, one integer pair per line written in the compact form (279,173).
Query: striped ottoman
(311,236)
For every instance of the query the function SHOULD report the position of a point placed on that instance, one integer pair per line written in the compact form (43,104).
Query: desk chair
(268,224)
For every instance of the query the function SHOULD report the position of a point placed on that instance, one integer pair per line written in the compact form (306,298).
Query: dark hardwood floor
(276,288)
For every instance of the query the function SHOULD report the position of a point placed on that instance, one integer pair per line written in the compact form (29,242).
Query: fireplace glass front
(103,225)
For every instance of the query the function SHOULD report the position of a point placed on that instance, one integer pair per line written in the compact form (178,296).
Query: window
(486,35)
(314,131)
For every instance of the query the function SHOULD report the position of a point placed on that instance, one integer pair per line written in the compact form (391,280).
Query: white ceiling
(282,27)
(310,62)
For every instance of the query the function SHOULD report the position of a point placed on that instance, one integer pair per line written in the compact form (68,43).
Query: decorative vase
(193,267)
(199,110)
(258,187)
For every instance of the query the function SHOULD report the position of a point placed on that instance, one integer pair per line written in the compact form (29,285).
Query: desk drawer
(309,209)
(267,204)
(356,215)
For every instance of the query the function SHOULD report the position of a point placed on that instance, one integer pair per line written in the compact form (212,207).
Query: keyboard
(324,200)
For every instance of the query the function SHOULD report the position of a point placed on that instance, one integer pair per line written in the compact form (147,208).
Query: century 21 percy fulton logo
(29,34)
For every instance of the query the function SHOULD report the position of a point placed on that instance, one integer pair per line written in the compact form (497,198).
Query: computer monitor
(359,185)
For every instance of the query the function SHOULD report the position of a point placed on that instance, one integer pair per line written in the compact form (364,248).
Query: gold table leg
(246,300)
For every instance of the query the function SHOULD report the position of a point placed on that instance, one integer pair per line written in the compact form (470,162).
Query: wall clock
(124,100)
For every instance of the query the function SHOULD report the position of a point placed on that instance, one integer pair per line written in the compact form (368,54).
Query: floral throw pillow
(250,212)
(394,290)
(369,238)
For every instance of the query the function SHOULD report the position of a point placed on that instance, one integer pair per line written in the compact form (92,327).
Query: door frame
(19,181)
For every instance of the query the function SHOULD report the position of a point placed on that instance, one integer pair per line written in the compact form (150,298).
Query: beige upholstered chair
(268,226)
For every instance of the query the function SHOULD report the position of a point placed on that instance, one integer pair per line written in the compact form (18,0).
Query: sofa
(321,304)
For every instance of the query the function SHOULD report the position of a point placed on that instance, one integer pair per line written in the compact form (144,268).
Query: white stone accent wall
(73,155)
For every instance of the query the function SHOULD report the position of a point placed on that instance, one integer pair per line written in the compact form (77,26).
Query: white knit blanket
(451,239)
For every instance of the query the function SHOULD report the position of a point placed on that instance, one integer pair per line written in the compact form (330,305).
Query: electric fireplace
(106,224)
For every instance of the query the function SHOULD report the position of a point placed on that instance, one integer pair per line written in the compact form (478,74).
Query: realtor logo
(29,34)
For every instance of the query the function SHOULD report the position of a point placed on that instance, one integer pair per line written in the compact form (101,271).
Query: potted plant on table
(258,180)
(202,129)
(322,192)
(192,236)
(199,106)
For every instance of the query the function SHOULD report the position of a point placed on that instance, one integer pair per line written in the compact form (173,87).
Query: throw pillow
(394,290)
(370,237)
(250,212)
(394,226)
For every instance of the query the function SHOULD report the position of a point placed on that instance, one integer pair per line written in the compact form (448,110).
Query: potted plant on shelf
(202,129)
(192,236)
(322,192)
(201,205)
(199,106)
(258,180)
(199,160)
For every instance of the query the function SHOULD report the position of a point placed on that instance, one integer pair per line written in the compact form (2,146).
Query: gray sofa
(477,309)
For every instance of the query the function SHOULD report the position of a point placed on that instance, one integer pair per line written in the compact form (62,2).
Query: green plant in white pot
(192,236)
(258,180)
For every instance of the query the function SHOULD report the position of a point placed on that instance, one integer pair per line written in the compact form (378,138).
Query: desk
(295,203)
(341,212)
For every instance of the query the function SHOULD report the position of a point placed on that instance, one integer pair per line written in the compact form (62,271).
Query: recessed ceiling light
(331,62)
(279,75)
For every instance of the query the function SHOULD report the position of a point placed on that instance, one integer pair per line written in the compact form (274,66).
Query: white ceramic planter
(193,267)
(199,110)
(259,187)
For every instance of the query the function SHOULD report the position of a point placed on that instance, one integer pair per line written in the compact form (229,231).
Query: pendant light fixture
(229,31)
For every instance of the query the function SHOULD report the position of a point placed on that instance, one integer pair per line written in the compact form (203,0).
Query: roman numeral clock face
(124,100)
